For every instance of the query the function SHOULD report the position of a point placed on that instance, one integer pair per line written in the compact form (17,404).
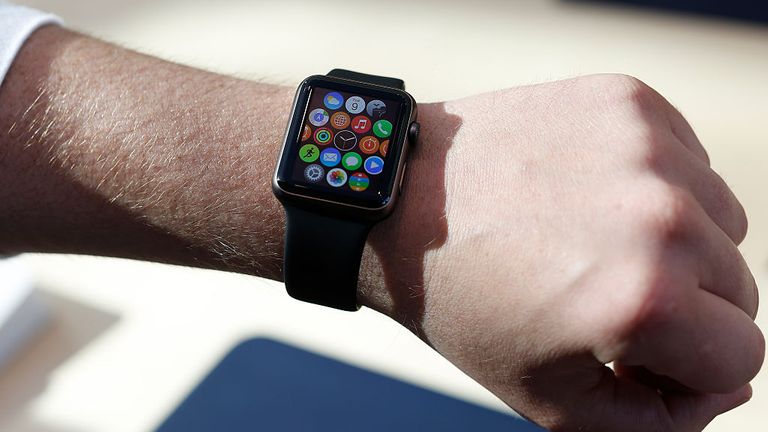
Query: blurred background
(126,341)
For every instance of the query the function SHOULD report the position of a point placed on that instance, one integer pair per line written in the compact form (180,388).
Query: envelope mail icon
(331,157)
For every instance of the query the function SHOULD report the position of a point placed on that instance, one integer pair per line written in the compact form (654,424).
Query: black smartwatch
(340,172)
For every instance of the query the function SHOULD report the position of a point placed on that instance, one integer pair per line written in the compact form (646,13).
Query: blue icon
(330,157)
(318,117)
(373,165)
(333,100)
(376,108)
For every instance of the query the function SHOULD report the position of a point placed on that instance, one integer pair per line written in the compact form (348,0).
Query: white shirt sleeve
(16,24)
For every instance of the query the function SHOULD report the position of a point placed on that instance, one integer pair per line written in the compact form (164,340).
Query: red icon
(369,145)
(384,147)
(361,124)
(307,133)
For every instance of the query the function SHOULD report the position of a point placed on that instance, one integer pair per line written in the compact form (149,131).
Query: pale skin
(602,237)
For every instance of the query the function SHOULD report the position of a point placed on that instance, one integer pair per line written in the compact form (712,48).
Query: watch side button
(413,132)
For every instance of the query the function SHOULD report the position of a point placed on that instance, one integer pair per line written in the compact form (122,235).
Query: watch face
(344,143)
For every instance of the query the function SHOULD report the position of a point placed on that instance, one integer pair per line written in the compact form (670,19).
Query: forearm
(110,152)
(115,153)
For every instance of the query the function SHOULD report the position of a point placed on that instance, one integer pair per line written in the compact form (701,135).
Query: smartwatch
(340,172)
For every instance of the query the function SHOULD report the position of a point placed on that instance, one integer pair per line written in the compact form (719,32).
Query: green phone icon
(382,128)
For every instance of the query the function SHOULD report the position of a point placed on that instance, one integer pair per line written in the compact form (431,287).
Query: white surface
(133,338)
(16,24)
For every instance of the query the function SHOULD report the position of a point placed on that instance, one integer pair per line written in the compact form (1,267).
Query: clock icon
(345,140)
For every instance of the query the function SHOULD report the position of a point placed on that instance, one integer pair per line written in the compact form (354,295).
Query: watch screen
(347,145)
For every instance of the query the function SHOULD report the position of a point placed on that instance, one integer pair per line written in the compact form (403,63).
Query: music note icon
(361,124)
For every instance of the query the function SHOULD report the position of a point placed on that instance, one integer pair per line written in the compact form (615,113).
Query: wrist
(401,251)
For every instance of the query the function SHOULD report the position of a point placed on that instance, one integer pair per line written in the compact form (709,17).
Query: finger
(681,168)
(595,399)
(693,412)
(689,411)
(697,339)
(722,268)
(681,128)
(719,201)
(684,132)
(643,375)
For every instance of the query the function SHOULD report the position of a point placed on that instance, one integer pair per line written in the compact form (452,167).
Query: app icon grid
(353,155)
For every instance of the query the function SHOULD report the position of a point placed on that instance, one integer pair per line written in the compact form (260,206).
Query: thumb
(693,412)
(620,402)
(688,409)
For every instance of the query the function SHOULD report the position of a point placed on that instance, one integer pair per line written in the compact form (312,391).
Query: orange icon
(384,147)
(369,145)
(340,120)
(307,133)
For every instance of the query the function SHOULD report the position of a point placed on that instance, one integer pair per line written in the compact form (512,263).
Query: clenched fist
(577,256)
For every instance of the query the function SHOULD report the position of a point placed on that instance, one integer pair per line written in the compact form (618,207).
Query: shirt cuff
(17,23)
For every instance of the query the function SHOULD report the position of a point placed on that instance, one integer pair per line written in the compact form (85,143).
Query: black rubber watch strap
(323,252)
(322,258)
(373,79)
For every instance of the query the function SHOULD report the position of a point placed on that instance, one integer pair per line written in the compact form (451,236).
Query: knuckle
(739,218)
(759,357)
(656,298)
(651,151)
(625,82)
(666,214)
(756,297)
(745,365)
(622,88)
(727,207)
(653,299)
(616,96)
(630,104)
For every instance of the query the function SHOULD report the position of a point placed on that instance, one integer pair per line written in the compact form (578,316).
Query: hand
(548,231)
